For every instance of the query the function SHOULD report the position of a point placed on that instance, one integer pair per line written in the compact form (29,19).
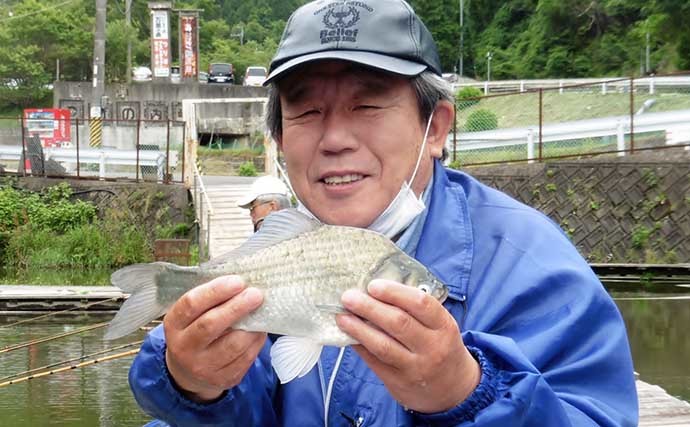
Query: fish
(301,266)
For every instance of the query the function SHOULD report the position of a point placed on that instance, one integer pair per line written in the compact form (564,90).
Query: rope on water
(51,338)
(68,368)
(64,362)
(53,313)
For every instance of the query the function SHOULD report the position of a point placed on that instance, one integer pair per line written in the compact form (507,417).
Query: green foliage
(49,230)
(480,120)
(455,164)
(550,187)
(640,236)
(650,178)
(247,169)
(173,231)
(51,211)
(91,246)
(467,97)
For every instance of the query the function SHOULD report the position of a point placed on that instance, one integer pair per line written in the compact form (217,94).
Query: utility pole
(128,20)
(489,55)
(646,62)
(99,57)
(462,36)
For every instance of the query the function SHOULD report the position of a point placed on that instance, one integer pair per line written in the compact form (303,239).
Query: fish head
(404,269)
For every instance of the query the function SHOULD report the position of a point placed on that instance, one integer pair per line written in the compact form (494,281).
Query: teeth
(344,179)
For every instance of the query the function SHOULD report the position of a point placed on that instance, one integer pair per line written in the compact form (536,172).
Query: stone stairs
(230,225)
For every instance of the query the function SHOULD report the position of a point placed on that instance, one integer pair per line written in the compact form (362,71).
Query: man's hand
(412,344)
(204,356)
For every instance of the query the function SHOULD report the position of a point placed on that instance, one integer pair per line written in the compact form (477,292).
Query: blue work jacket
(551,344)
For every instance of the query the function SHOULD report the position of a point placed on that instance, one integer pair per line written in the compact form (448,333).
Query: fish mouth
(341,178)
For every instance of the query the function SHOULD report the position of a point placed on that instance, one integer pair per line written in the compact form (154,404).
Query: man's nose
(337,134)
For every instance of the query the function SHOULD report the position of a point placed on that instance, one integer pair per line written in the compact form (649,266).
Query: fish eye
(425,288)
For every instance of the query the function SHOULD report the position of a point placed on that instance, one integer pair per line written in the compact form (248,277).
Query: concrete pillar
(530,146)
(620,139)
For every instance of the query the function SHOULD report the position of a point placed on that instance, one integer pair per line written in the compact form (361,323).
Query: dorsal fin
(278,227)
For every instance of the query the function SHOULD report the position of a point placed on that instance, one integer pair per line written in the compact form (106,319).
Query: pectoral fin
(294,357)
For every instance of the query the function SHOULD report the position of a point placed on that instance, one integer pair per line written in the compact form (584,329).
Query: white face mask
(404,208)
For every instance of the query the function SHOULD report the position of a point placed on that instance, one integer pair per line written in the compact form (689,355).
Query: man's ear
(441,124)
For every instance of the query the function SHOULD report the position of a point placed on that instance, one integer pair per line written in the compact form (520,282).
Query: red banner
(52,125)
(189,46)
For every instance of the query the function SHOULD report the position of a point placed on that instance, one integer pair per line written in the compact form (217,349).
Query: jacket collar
(446,244)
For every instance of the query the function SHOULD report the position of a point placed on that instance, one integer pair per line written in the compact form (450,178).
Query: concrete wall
(630,209)
(162,101)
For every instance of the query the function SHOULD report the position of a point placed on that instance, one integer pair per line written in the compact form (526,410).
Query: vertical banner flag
(160,43)
(189,46)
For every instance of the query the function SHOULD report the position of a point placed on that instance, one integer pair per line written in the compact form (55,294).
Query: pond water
(98,395)
(658,333)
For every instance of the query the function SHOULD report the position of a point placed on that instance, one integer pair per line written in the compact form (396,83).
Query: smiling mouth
(342,179)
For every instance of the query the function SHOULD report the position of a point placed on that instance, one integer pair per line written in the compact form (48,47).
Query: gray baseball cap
(382,34)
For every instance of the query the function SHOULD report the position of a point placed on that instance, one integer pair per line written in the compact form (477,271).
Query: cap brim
(246,201)
(369,59)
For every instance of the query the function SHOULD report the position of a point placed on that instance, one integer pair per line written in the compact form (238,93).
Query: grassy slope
(520,110)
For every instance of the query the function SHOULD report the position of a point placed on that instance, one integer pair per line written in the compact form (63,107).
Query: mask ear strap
(421,151)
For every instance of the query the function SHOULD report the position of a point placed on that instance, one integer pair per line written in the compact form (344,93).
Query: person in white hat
(267,194)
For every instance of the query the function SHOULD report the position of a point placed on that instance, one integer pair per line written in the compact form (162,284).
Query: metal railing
(203,212)
(611,117)
(139,150)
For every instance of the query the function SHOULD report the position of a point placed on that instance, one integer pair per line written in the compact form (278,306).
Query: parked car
(141,74)
(220,72)
(175,76)
(254,76)
(203,77)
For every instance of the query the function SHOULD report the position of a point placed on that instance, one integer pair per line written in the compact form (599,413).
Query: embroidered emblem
(340,21)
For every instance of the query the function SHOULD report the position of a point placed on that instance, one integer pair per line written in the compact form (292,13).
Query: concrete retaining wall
(631,209)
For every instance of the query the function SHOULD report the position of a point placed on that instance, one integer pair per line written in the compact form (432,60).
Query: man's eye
(366,107)
(308,113)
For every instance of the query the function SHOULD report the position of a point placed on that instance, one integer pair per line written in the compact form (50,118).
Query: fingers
(421,306)
(377,342)
(411,317)
(201,299)
(245,347)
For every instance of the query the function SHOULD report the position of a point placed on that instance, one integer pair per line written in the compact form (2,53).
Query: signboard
(160,43)
(189,46)
(51,125)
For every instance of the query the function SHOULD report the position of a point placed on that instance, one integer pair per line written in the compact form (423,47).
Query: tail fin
(144,304)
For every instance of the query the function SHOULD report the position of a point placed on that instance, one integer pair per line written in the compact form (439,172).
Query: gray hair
(281,200)
(428,87)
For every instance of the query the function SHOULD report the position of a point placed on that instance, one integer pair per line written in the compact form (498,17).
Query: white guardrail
(675,123)
(101,156)
(650,84)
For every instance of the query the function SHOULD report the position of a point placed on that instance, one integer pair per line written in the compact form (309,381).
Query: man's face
(259,210)
(350,138)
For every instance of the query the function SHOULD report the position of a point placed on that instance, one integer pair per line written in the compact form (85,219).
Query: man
(527,336)
(267,194)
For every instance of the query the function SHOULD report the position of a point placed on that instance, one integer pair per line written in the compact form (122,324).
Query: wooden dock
(659,409)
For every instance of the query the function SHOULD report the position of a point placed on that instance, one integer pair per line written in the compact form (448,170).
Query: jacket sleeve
(248,403)
(551,343)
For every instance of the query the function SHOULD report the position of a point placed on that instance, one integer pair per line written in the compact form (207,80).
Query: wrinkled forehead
(312,74)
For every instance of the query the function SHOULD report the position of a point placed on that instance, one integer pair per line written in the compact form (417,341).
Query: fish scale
(294,288)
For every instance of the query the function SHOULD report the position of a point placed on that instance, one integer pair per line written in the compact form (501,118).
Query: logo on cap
(338,19)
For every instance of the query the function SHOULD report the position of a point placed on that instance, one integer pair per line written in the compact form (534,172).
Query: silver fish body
(301,266)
